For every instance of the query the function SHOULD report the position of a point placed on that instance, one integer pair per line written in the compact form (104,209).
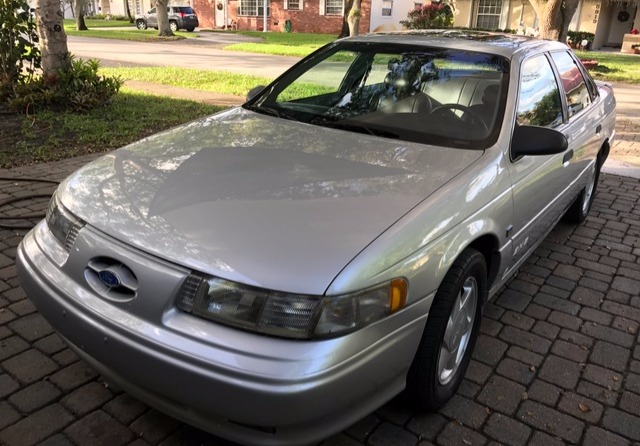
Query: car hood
(256,199)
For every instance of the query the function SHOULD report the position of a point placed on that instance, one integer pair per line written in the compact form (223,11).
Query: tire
(141,24)
(455,315)
(190,29)
(578,211)
(173,26)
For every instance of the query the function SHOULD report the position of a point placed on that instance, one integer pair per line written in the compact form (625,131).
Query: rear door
(584,129)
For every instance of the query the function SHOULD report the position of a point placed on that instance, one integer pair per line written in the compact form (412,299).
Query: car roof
(505,45)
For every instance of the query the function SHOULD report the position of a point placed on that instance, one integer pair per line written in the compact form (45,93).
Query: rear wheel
(190,29)
(580,208)
(140,24)
(173,25)
(450,333)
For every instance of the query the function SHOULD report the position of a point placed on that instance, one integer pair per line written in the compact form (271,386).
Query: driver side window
(539,101)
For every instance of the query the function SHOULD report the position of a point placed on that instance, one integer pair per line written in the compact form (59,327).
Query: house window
(253,8)
(293,4)
(387,8)
(489,12)
(333,7)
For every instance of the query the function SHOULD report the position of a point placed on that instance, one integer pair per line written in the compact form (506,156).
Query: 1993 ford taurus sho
(277,271)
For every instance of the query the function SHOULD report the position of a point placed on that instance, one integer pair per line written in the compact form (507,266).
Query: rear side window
(539,102)
(575,88)
(186,10)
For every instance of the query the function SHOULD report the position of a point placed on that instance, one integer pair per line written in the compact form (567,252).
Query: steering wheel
(475,118)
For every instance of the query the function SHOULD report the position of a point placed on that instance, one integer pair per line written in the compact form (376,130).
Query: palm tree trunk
(53,39)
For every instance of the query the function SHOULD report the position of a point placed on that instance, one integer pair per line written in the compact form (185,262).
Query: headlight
(289,315)
(63,225)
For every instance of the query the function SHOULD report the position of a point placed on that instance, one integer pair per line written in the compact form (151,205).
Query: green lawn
(283,44)
(94,23)
(616,67)
(49,136)
(205,80)
(148,35)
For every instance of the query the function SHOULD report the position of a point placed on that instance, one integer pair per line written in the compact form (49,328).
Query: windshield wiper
(355,127)
(272,111)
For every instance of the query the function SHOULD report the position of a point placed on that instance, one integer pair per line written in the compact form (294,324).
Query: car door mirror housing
(529,140)
(254,92)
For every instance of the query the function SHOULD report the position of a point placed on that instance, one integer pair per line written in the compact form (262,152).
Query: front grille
(127,283)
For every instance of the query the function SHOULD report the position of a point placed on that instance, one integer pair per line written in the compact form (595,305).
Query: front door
(538,181)
(621,22)
(152,19)
(219,14)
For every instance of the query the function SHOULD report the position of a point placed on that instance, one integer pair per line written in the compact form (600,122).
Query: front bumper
(245,387)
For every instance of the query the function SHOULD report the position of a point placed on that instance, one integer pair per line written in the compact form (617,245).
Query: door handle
(567,157)
(598,129)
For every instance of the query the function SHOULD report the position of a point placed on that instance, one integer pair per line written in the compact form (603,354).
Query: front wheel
(450,333)
(173,26)
(140,24)
(580,208)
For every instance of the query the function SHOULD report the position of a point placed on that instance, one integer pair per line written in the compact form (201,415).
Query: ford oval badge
(109,278)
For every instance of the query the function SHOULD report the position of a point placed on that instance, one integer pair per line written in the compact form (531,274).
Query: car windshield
(445,97)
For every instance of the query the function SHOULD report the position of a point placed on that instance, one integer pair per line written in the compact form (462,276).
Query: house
(609,21)
(312,16)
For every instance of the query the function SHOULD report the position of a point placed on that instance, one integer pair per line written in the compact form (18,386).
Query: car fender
(423,245)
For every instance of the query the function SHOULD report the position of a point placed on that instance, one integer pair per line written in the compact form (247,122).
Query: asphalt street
(202,56)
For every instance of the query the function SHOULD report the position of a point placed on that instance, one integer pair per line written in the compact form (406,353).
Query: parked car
(180,17)
(275,272)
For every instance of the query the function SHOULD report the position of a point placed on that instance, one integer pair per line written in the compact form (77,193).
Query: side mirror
(530,140)
(254,92)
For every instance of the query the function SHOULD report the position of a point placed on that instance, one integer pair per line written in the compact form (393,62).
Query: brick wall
(308,20)
(206,12)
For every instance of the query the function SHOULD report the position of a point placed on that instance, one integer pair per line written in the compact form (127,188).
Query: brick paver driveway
(558,359)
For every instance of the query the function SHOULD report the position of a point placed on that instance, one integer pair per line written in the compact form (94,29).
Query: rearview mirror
(529,140)
(254,92)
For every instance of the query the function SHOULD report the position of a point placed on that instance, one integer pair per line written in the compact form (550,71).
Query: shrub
(104,17)
(491,30)
(434,15)
(19,56)
(79,88)
(578,36)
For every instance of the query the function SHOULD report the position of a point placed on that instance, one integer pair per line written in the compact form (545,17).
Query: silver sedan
(275,272)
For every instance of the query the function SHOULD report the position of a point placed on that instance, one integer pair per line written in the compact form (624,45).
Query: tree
(554,17)
(344,32)
(127,10)
(163,19)
(78,7)
(53,39)
(353,19)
